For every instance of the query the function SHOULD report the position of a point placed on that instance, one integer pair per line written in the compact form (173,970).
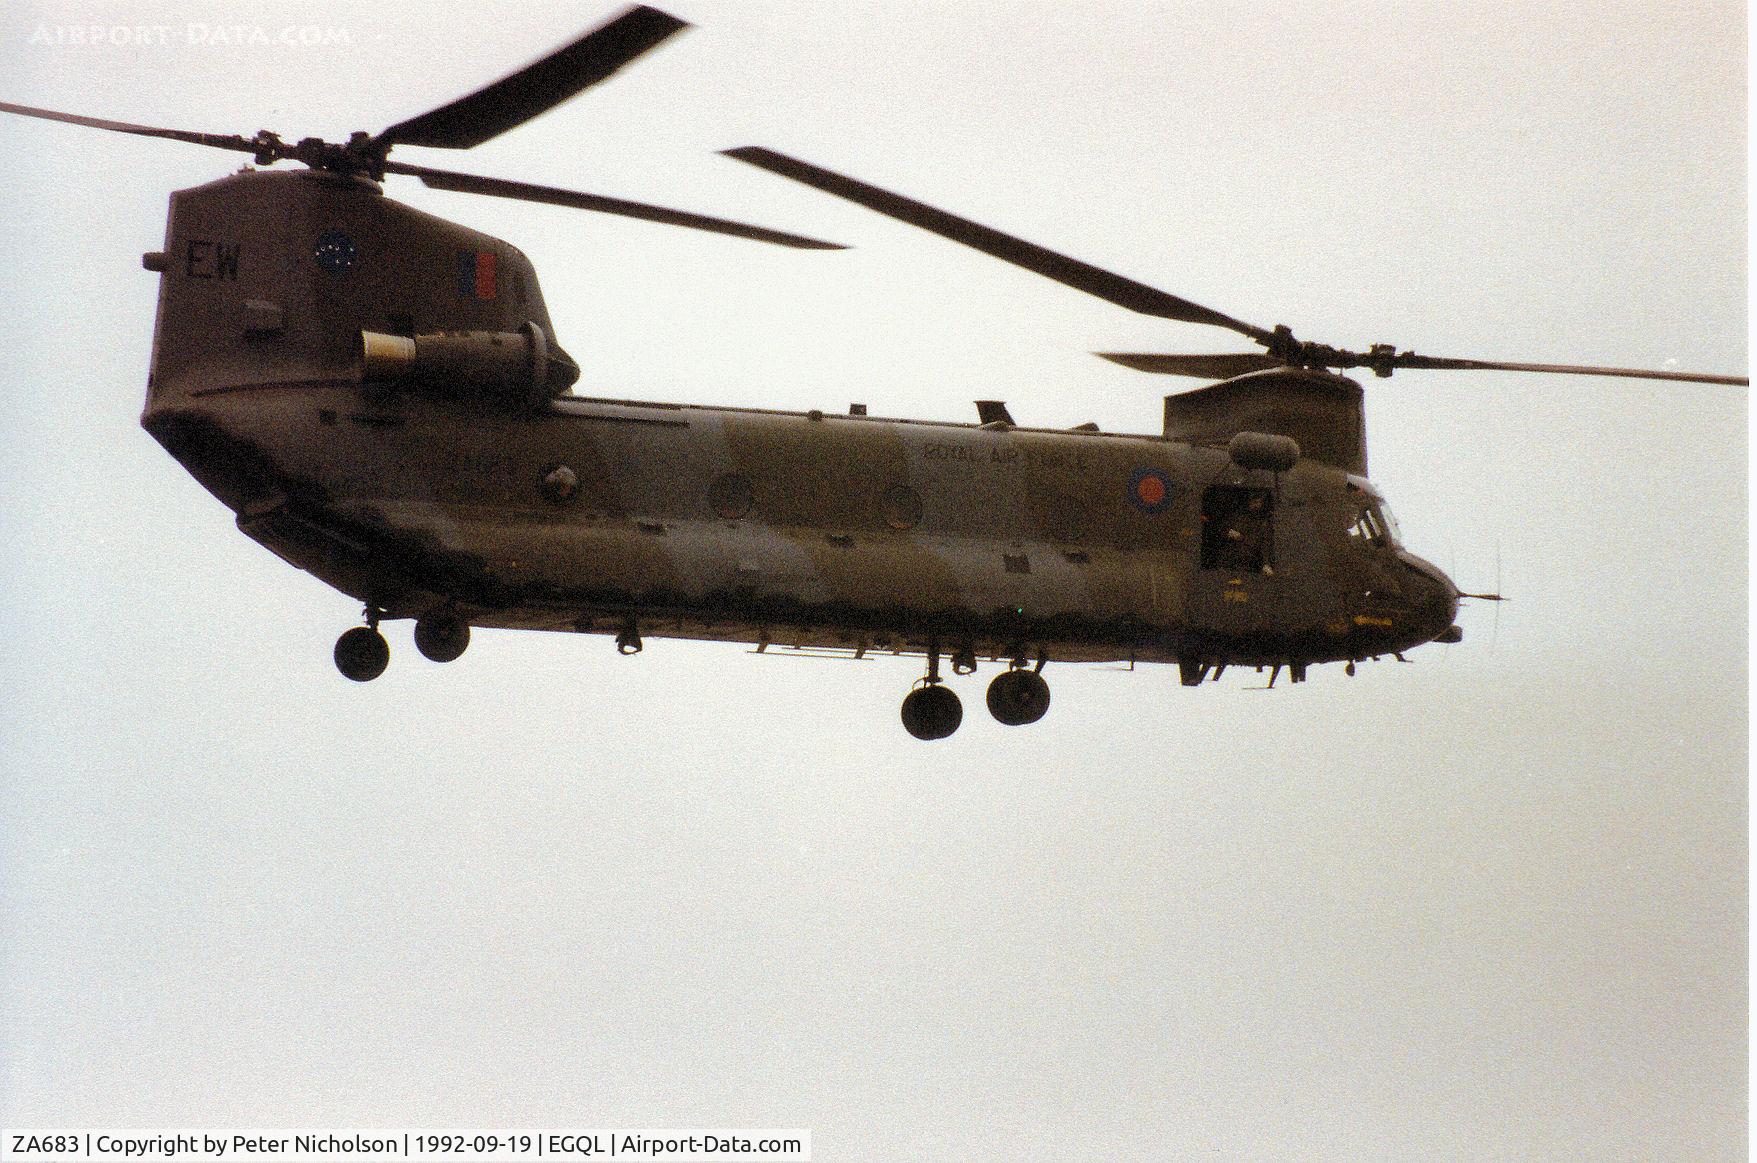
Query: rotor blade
(538,87)
(526,192)
(217,140)
(1071,272)
(1411,360)
(1208,367)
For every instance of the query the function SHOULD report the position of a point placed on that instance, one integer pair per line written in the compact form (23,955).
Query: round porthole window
(902,506)
(729,496)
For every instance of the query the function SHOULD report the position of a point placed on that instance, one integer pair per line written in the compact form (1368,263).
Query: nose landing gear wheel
(442,639)
(1018,697)
(932,712)
(362,654)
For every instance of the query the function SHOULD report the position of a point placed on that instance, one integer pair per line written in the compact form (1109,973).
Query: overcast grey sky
(1490,904)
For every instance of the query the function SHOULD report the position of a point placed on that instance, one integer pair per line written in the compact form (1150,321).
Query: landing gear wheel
(442,638)
(1017,697)
(932,712)
(362,654)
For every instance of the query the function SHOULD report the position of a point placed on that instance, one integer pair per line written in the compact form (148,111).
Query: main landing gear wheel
(362,654)
(442,638)
(1018,697)
(932,712)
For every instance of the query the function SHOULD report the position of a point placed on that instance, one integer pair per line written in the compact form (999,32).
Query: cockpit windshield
(1373,523)
(1389,520)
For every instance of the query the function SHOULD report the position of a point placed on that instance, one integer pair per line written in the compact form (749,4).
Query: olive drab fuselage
(509,504)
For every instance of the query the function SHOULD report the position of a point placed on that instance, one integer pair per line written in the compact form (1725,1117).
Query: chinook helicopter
(379,396)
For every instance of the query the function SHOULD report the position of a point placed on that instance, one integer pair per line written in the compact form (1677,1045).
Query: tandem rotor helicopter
(379,396)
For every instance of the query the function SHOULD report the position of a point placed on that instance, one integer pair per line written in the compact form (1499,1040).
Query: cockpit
(1372,522)
(1398,600)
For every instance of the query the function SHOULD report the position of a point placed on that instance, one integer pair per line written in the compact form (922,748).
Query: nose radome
(1437,597)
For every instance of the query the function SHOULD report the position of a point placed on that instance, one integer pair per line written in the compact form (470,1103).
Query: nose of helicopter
(1433,598)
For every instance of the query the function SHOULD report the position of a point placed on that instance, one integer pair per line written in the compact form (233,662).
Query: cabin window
(902,506)
(1237,529)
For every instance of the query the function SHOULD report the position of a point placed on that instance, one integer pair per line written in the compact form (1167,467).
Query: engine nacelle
(520,369)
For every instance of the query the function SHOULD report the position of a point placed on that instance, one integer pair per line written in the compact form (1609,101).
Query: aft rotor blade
(526,192)
(1411,360)
(1208,367)
(1071,272)
(217,140)
(538,87)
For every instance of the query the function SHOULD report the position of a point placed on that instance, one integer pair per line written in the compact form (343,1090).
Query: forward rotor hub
(358,155)
(1381,358)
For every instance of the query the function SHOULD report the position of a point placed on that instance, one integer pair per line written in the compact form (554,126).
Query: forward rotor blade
(217,140)
(1208,367)
(1068,271)
(1411,360)
(538,87)
(526,192)
(1227,366)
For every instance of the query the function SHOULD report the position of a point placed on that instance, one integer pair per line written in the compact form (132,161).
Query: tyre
(1018,697)
(362,654)
(932,712)
(442,639)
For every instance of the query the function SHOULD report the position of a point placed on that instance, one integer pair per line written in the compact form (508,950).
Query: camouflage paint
(1076,545)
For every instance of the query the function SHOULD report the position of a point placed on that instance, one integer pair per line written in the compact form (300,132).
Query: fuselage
(815,530)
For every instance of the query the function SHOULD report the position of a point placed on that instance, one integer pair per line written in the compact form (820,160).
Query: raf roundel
(1150,490)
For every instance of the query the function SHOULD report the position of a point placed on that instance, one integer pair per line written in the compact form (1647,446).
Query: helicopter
(379,396)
